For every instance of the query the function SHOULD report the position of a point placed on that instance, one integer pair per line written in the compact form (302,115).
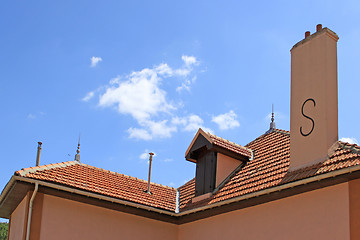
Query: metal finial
(77,155)
(272,123)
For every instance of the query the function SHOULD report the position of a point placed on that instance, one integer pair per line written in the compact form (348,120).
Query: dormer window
(205,173)
(215,159)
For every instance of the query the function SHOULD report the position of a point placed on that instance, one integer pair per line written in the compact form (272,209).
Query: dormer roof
(216,143)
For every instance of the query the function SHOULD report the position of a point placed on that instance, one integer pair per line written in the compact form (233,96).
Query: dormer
(215,158)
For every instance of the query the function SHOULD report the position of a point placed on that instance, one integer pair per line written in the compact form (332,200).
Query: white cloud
(88,96)
(189,60)
(152,129)
(34,116)
(168,160)
(349,140)
(139,134)
(95,61)
(31,116)
(160,129)
(164,69)
(140,95)
(185,85)
(194,123)
(179,121)
(226,121)
(191,123)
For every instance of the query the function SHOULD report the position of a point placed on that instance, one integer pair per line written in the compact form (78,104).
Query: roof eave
(267,191)
(91,194)
(330,175)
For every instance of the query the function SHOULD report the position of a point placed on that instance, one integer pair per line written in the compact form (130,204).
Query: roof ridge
(276,130)
(25,171)
(282,131)
(124,175)
(228,141)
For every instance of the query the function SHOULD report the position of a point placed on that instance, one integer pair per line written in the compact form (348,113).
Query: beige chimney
(314,106)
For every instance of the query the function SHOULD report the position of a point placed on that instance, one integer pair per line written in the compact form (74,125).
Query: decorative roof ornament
(272,123)
(77,155)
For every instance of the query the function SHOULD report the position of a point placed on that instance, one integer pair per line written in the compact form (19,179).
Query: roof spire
(77,155)
(272,123)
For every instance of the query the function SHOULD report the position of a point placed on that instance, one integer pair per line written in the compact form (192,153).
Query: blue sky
(140,76)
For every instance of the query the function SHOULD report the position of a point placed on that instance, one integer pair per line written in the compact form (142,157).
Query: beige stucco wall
(18,221)
(354,200)
(225,166)
(67,219)
(319,214)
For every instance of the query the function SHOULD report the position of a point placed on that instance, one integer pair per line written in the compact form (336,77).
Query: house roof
(269,168)
(108,183)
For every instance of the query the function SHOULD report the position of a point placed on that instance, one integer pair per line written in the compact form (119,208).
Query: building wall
(354,195)
(225,166)
(18,221)
(67,219)
(319,214)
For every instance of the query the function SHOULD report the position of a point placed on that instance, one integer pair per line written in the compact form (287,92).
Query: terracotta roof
(269,168)
(97,180)
(221,142)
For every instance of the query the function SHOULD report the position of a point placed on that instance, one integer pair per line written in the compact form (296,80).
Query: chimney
(314,105)
(38,154)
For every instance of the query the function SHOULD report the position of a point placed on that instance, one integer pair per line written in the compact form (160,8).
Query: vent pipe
(150,161)
(38,154)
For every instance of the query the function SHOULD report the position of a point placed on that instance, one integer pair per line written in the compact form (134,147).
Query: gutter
(187,212)
(93,195)
(274,189)
(30,210)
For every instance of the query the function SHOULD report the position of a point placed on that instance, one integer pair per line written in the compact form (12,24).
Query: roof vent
(38,154)
(150,162)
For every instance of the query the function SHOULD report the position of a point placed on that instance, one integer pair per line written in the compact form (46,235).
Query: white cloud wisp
(226,121)
(349,140)
(191,123)
(88,96)
(94,61)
